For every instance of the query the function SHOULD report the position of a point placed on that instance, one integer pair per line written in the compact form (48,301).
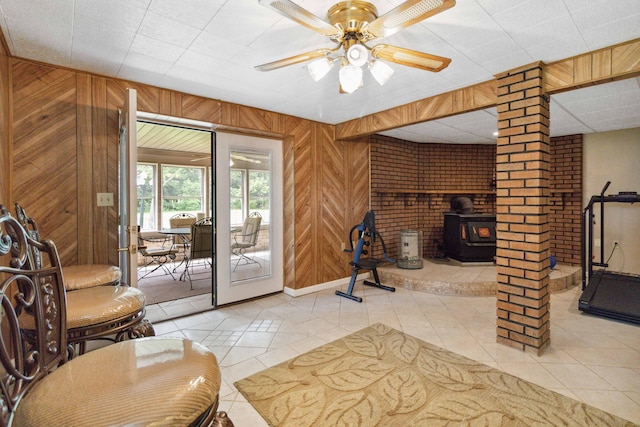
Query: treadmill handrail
(619,198)
(587,250)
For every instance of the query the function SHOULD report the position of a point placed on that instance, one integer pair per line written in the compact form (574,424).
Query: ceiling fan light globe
(350,78)
(357,55)
(319,68)
(380,71)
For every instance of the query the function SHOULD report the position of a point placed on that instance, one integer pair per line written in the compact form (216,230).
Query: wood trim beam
(618,62)
(471,98)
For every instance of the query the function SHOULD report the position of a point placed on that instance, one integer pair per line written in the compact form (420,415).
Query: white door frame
(228,292)
(127,196)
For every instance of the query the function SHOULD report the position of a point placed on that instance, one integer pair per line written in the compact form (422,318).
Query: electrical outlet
(343,246)
(105,199)
(596,242)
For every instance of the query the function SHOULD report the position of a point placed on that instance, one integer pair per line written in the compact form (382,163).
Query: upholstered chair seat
(89,275)
(95,306)
(148,381)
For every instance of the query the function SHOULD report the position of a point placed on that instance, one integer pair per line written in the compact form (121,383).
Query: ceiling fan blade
(302,16)
(406,14)
(319,53)
(411,58)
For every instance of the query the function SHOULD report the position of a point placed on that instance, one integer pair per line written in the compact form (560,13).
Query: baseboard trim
(322,286)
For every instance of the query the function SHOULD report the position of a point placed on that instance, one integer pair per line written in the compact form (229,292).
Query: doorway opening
(175,189)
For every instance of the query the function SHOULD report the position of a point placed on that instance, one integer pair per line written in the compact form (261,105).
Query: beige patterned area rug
(382,377)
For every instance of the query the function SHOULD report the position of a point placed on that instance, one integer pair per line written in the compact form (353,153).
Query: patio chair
(182,220)
(157,251)
(201,245)
(245,239)
(149,381)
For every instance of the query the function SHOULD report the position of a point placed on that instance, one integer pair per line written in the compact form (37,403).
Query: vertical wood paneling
(44,151)
(165,102)
(5,128)
(601,64)
(100,170)
(84,146)
(176,104)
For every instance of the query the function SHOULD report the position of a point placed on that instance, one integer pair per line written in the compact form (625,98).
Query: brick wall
(523,246)
(401,169)
(394,167)
(566,198)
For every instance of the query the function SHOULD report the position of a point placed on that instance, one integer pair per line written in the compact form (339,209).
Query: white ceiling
(209,48)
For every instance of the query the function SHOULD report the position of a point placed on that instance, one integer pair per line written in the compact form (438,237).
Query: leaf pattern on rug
(299,408)
(382,377)
(404,347)
(319,356)
(366,345)
(268,384)
(447,375)
(450,357)
(461,410)
(380,328)
(404,390)
(514,386)
(353,373)
(352,410)
(586,415)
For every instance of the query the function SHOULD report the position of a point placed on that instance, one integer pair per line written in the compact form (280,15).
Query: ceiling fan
(351,25)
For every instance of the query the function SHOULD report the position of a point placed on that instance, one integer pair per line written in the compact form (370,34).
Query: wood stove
(470,237)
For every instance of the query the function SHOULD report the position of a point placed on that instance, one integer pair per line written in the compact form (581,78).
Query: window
(259,192)
(146,190)
(250,186)
(237,196)
(182,191)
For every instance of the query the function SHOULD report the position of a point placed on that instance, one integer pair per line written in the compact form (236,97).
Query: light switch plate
(105,199)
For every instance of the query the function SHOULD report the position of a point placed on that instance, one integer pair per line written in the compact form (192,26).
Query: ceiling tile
(156,49)
(166,30)
(120,14)
(194,13)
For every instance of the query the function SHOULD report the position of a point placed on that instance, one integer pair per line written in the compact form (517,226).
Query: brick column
(522,210)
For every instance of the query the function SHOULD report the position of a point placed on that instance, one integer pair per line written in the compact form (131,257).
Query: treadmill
(604,293)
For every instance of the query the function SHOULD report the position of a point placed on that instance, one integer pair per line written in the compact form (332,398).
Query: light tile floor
(591,359)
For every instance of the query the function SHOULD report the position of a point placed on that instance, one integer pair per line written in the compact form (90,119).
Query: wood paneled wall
(65,126)
(45,155)
(5,129)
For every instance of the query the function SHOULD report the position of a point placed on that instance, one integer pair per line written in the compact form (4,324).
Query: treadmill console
(628,196)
